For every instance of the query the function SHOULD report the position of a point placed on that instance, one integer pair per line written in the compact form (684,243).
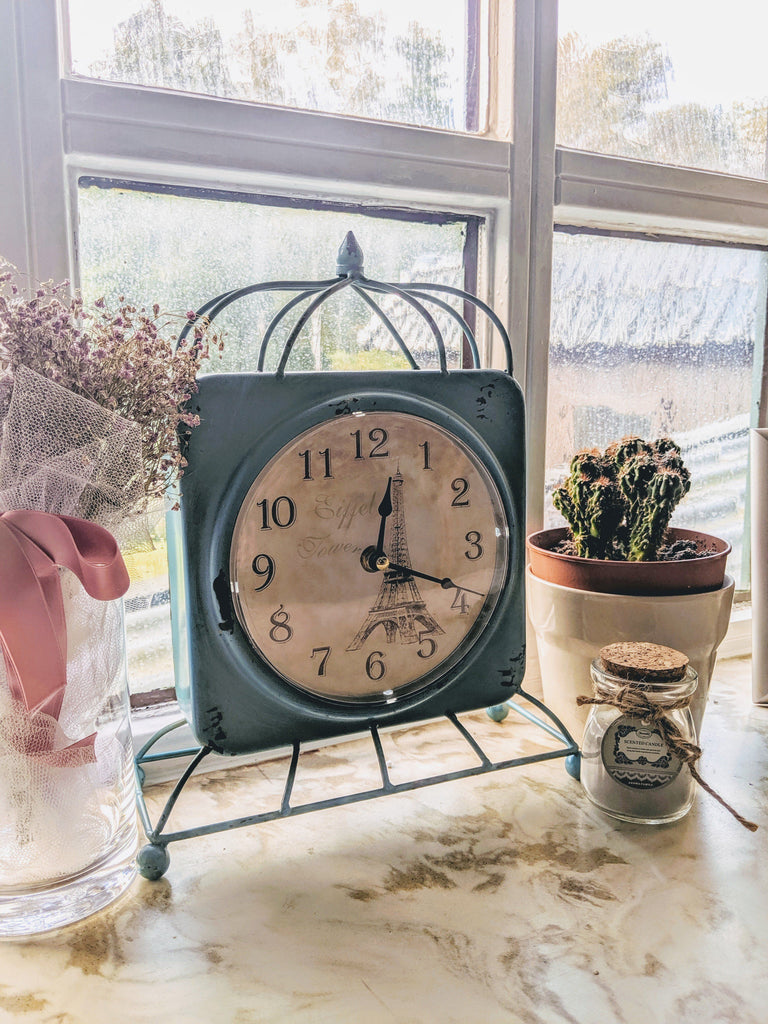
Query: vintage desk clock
(351,547)
(349,550)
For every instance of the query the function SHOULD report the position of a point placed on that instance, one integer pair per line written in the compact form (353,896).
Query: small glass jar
(627,768)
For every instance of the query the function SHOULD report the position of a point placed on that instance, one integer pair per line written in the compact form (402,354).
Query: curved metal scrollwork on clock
(348,554)
(349,268)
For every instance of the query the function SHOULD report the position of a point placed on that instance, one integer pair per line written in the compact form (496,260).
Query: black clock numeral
(425,446)
(425,638)
(473,538)
(375,668)
(459,486)
(281,632)
(307,456)
(326,653)
(264,567)
(378,438)
(282,512)
(460,601)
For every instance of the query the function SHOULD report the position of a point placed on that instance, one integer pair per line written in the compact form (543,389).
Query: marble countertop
(500,898)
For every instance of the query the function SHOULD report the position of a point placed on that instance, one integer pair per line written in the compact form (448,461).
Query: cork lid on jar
(642,661)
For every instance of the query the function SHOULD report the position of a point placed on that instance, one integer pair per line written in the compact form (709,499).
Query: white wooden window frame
(56,128)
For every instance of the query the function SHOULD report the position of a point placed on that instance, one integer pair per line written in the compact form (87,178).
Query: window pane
(670,82)
(657,338)
(412,61)
(181,250)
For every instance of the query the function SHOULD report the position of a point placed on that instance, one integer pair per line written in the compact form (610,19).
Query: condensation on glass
(658,338)
(182,249)
(409,61)
(677,83)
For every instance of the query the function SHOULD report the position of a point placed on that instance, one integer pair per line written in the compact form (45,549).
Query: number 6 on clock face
(368,555)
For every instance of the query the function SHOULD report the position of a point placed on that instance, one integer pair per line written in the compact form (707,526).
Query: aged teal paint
(234,700)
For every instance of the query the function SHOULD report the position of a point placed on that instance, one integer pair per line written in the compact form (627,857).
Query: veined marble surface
(501,898)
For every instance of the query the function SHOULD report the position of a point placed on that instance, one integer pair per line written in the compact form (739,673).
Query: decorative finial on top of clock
(349,260)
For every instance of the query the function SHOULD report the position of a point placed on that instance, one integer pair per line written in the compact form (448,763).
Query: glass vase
(68,828)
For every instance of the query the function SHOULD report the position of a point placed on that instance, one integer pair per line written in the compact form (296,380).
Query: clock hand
(385,510)
(371,554)
(384,564)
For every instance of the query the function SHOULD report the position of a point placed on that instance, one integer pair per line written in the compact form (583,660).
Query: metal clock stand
(153,859)
(479,662)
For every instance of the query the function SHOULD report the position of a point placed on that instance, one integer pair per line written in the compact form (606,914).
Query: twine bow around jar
(636,669)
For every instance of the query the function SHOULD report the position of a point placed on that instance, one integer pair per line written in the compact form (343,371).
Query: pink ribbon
(33,632)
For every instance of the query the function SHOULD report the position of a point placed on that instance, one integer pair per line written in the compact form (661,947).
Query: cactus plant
(618,503)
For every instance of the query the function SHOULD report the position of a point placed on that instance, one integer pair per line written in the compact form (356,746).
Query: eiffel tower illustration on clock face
(399,607)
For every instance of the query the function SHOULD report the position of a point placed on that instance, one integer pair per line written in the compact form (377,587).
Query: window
(665,82)
(658,338)
(232,240)
(596,173)
(659,272)
(410,61)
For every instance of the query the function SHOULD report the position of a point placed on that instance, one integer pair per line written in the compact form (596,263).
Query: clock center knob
(372,560)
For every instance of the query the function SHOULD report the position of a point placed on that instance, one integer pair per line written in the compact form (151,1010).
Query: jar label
(636,754)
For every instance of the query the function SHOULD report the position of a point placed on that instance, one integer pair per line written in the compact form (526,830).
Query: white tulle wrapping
(67,455)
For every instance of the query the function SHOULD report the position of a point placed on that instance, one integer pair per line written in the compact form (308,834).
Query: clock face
(368,555)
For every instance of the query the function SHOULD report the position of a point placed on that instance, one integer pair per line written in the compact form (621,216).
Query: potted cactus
(618,505)
(618,571)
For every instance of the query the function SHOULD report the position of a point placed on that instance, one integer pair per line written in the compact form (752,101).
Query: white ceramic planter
(572,626)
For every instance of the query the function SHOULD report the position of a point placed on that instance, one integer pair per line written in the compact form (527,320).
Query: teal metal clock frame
(234,700)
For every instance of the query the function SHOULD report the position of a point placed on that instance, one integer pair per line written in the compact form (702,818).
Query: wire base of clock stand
(153,859)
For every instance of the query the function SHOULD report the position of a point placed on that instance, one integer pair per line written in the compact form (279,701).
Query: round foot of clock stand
(153,859)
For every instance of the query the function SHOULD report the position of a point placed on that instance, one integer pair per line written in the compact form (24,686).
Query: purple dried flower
(125,361)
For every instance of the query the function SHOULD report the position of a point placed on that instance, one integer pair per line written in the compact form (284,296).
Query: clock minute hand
(446,583)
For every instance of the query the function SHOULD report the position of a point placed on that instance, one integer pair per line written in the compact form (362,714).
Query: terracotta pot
(692,575)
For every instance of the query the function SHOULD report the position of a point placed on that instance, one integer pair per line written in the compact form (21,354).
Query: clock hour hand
(371,555)
(385,510)
(383,564)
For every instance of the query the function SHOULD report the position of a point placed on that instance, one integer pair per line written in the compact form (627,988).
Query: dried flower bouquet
(93,428)
(123,359)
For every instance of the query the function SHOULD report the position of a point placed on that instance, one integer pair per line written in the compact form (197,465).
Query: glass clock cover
(368,555)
